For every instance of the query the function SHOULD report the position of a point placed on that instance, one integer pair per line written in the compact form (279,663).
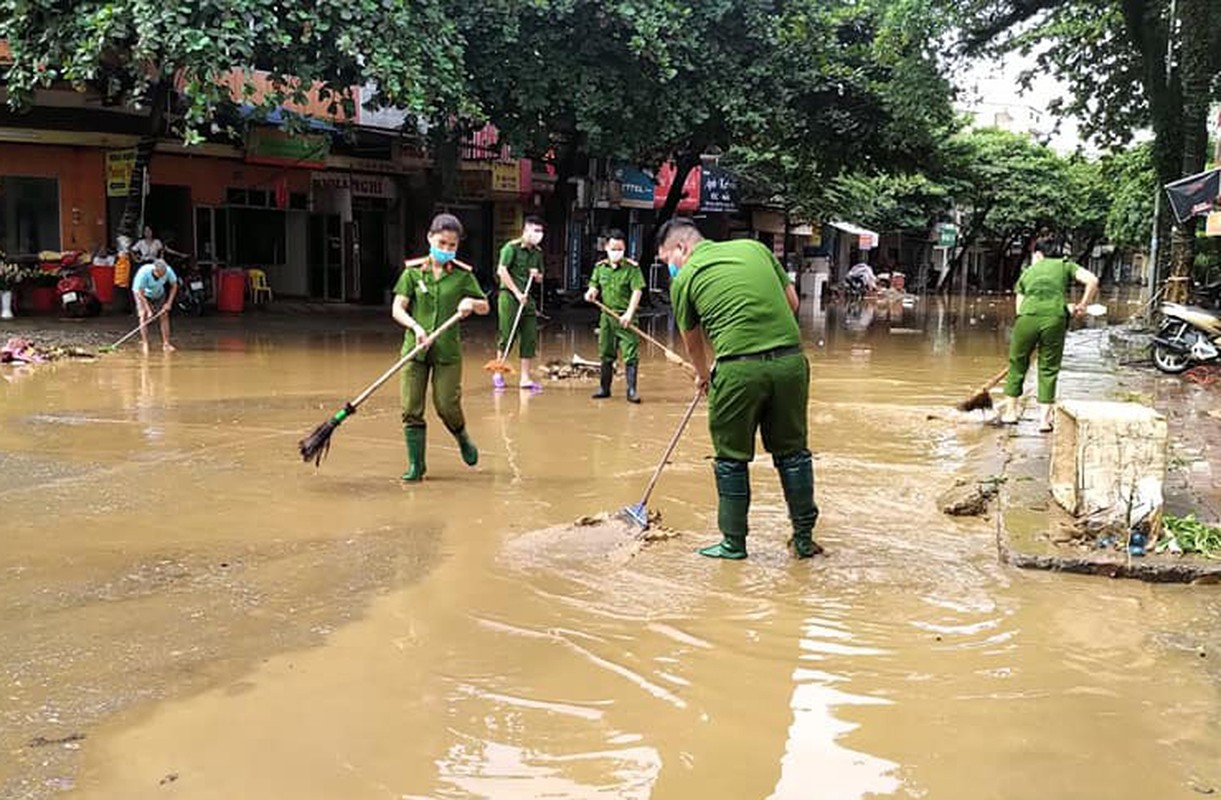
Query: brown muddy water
(218,620)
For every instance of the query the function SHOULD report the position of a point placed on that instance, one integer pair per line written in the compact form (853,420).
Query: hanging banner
(278,148)
(635,187)
(718,191)
(506,178)
(119,166)
(690,202)
(1194,195)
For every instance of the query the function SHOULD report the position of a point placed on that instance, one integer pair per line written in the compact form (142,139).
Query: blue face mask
(673,271)
(441,256)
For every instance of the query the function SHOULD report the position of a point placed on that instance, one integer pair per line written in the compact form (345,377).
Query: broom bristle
(980,401)
(496,365)
(315,446)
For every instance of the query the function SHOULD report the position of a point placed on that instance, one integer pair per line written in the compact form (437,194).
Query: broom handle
(646,337)
(402,362)
(136,329)
(521,308)
(682,425)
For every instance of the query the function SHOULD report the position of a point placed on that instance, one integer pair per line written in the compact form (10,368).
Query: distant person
(520,259)
(863,274)
(737,293)
(1043,312)
(152,299)
(432,289)
(150,248)
(621,284)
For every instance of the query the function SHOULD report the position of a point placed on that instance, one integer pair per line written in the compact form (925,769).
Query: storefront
(51,198)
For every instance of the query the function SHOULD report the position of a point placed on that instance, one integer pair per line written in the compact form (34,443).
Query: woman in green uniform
(1042,322)
(431,290)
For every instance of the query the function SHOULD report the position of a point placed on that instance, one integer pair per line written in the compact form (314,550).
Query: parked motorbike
(75,290)
(1188,335)
(192,293)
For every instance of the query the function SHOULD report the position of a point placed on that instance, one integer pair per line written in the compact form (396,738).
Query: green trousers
(612,336)
(765,396)
(527,332)
(1047,334)
(446,393)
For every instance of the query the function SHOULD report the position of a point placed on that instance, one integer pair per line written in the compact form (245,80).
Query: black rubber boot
(632,371)
(797,480)
(415,438)
(608,374)
(733,505)
(470,453)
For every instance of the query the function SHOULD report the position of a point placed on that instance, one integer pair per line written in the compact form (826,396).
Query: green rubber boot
(415,438)
(733,492)
(470,453)
(797,479)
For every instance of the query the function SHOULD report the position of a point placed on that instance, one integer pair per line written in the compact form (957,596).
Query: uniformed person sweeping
(430,291)
(738,294)
(1042,323)
(621,283)
(520,259)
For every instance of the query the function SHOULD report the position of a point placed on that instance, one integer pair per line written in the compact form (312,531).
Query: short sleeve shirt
(146,250)
(617,282)
(1044,287)
(519,260)
(150,285)
(433,300)
(736,291)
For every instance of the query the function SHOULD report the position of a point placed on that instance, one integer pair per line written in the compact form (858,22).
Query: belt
(765,355)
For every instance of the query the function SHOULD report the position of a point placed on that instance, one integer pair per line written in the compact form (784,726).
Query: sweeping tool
(639,513)
(671,356)
(498,364)
(315,446)
(112,347)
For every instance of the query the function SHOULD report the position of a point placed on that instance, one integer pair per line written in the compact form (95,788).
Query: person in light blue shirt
(153,299)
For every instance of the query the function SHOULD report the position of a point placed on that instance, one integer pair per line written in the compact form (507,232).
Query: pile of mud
(606,537)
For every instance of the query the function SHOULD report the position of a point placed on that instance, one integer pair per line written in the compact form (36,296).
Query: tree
(178,55)
(1132,179)
(1128,66)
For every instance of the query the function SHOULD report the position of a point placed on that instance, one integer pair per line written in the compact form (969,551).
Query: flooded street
(221,621)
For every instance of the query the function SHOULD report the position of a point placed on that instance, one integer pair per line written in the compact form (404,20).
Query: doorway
(326,257)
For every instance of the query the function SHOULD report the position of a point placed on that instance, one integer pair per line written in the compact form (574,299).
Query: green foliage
(126,49)
(1189,535)
(1132,182)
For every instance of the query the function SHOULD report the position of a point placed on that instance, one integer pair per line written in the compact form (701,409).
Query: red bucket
(103,282)
(232,295)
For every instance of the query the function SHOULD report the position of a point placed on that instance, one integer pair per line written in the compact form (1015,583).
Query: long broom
(671,356)
(112,347)
(315,446)
(639,513)
(498,364)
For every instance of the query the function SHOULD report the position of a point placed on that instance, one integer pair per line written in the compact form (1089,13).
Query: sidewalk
(1107,364)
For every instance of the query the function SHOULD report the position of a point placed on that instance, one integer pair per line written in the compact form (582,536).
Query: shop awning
(868,239)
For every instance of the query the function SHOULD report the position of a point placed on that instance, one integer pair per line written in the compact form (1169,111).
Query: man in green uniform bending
(621,283)
(520,259)
(1042,322)
(738,294)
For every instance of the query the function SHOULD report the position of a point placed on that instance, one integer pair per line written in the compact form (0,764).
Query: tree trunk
(687,161)
(1196,76)
(132,218)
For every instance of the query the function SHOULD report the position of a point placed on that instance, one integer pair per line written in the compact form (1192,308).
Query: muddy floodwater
(188,611)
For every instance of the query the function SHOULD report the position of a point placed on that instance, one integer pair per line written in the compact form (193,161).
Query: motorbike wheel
(1169,361)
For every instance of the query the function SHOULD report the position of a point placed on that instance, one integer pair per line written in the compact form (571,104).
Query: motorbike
(192,293)
(75,290)
(1188,336)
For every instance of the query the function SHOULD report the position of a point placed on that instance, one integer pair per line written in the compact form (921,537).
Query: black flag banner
(1194,196)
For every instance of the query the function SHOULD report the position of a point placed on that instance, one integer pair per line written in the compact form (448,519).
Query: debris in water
(43,741)
(579,367)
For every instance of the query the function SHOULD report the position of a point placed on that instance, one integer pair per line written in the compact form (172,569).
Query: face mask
(614,256)
(441,256)
(673,271)
(533,237)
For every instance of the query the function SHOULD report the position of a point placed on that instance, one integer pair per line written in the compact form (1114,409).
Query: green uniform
(1042,323)
(736,291)
(615,285)
(431,301)
(519,259)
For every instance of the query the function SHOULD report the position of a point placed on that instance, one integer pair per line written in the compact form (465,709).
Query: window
(29,214)
(258,237)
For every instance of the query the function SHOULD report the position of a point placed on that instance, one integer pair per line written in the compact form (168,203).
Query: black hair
(1048,246)
(446,222)
(534,219)
(676,226)
(615,233)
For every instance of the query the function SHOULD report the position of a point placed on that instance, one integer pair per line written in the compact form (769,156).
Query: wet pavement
(219,620)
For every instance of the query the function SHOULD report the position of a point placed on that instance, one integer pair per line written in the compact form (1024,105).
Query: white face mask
(615,256)
(533,237)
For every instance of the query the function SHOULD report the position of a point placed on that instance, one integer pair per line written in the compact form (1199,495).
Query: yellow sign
(505,178)
(1212,224)
(119,164)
